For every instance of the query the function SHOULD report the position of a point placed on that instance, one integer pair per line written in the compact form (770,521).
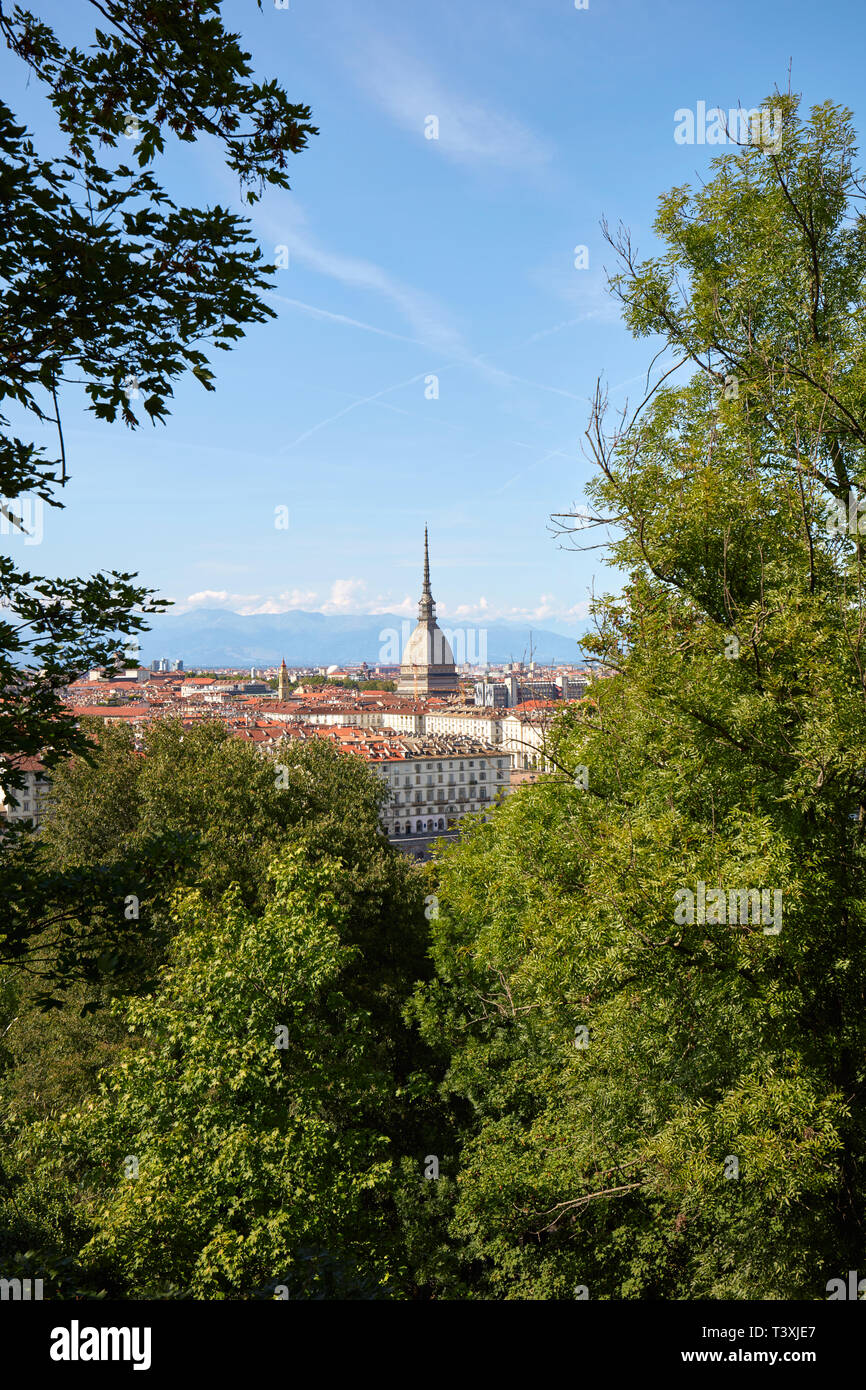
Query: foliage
(106,283)
(258,1164)
(727,751)
(626,1101)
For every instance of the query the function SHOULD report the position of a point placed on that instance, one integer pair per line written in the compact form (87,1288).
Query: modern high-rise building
(428,666)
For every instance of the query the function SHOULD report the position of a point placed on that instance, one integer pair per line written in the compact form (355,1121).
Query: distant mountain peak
(219,637)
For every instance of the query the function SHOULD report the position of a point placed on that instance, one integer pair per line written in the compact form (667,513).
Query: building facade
(26,803)
(436,781)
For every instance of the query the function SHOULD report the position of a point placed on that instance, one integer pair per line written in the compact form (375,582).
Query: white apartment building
(483,722)
(403,721)
(520,733)
(357,718)
(524,736)
(27,802)
(434,781)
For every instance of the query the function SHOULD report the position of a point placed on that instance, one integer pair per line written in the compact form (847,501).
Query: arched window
(418,825)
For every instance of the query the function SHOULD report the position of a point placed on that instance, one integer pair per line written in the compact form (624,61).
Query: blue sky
(410,258)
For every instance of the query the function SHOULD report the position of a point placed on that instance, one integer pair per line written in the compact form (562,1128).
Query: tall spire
(427,667)
(426,608)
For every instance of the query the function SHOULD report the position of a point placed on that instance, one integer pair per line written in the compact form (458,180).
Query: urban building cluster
(446,742)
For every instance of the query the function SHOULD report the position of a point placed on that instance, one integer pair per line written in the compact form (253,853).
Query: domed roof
(428,646)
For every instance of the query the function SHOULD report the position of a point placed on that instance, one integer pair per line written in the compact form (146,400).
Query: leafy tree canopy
(664,1105)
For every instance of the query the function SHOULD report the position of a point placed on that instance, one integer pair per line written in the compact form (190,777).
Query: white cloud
(283,223)
(215,597)
(469,132)
(282,603)
(350,596)
(585,290)
(345,595)
(247,604)
(342,319)
(356,403)
(547,609)
(560,327)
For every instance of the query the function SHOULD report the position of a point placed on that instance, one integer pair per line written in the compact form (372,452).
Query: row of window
(462,765)
(418,827)
(452,777)
(405,828)
(482,794)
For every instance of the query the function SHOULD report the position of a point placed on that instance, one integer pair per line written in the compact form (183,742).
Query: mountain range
(217,637)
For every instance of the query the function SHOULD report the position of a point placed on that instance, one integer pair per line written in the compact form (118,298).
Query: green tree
(271,858)
(106,283)
(256,1137)
(665,1107)
(195,808)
